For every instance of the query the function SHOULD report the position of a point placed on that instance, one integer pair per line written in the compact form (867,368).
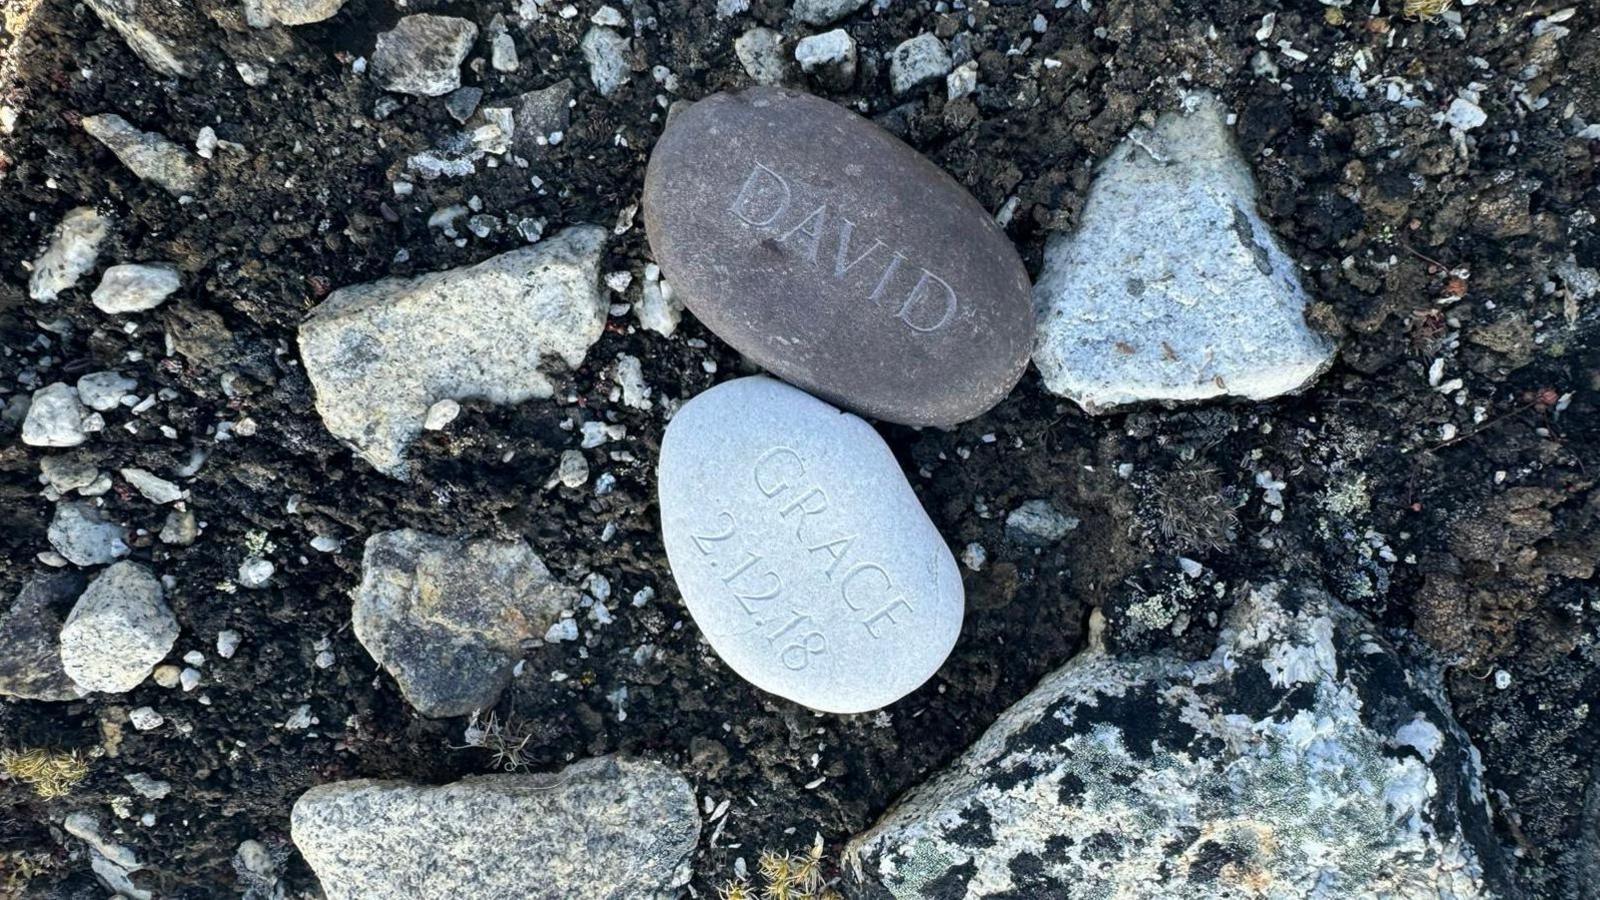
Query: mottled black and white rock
(604,828)
(55,418)
(30,640)
(148,155)
(380,354)
(422,54)
(447,617)
(836,257)
(1304,758)
(135,287)
(801,551)
(118,631)
(607,55)
(761,53)
(1173,288)
(72,253)
(81,533)
(917,61)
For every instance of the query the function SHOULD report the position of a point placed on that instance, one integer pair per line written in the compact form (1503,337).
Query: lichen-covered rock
(30,640)
(447,617)
(119,629)
(148,155)
(72,253)
(380,354)
(1302,759)
(1173,288)
(609,829)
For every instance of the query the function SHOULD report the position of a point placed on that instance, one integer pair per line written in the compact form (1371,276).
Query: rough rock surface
(609,829)
(800,549)
(607,55)
(103,391)
(1304,758)
(301,12)
(825,12)
(380,354)
(917,61)
(30,640)
(1173,288)
(118,631)
(142,24)
(422,54)
(829,57)
(135,287)
(760,51)
(71,254)
(447,616)
(55,417)
(81,533)
(147,154)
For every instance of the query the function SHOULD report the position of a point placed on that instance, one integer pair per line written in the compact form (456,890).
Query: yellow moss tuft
(1425,9)
(51,773)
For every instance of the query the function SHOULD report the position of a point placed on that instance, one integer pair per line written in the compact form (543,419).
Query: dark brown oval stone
(837,257)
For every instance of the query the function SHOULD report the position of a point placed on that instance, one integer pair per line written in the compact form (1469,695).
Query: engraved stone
(832,254)
(801,551)
(1173,288)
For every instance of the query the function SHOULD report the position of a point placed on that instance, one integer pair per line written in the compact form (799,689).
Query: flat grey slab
(610,828)
(801,551)
(837,257)
(1173,288)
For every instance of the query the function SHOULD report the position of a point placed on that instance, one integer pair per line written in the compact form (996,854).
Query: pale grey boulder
(119,630)
(30,640)
(447,617)
(610,828)
(135,287)
(801,551)
(1173,288)
(1304,758)
(55,417)
(380,354)
(73,249)
(81,533)
(148,155)
(422,54)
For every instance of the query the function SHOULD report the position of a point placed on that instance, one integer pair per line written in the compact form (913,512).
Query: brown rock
(837,257)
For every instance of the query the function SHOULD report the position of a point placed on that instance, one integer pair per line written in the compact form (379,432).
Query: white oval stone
(801,551)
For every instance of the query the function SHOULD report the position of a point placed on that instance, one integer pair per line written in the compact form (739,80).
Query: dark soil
(1415,246)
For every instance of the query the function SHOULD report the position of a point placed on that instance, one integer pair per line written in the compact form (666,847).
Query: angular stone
(760,51)
(539,114)
(103,391)
(71,254)
(118,631)
(148,155)
(838,258)
(422,54)
(145,25)
(30,640)
(801,551)
(610,827)
(447,616)
(81,533)
(917,61)
(825,12)
(135,287)
(830,58)
(607,55)
(55,417)
(380,354)
(1305,758)
(1173,288)
(301,12)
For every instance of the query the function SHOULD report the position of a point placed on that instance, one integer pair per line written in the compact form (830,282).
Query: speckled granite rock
(602,829)
(380,354)
(73,249)
(1173,288)
(1303,759)
(801,551)
(30,640)
(447,617)
(119,629)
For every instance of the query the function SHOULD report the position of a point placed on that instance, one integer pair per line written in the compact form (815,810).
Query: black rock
(837,257)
